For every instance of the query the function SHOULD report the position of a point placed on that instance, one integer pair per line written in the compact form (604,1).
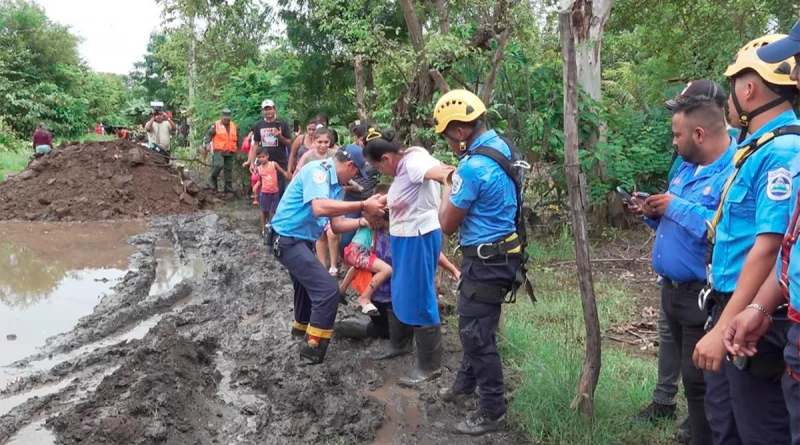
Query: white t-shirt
(413,200)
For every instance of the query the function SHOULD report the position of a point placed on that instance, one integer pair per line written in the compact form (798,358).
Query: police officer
(746,329)
(482,203)
(311,199)
(744,401)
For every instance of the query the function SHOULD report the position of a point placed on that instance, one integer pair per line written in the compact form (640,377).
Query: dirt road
(210,361)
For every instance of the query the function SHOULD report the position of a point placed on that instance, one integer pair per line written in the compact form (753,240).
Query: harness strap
(510,245)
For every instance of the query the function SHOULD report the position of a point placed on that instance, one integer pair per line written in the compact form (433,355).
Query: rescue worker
(746,329)
(744,400)
(481,202)
(311,199)
(679,216)
(223,141)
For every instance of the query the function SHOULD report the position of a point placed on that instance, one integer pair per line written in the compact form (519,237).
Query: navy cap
(700,89)
(782,49)
(356,154)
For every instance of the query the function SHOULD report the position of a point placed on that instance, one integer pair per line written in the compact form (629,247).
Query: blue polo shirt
(294,217)
(484,190)
(794,257)
(681,239)
(758,202)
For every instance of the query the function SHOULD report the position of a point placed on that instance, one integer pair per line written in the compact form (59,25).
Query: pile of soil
(97,181)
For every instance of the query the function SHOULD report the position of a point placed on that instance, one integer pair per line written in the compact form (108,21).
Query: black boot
(479,424)
(453,394)
(297,332)
(312,351)
(656,411)
(352,328)
(428,366)
(228,187)
(400,335)
(212,185)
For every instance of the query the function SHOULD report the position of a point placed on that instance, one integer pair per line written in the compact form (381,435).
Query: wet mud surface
(201,354)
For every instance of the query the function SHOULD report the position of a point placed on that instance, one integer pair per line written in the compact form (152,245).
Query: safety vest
(223,140)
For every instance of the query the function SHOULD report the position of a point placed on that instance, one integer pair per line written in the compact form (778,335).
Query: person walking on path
(302,143)
(42,139)
(159,131)
(274,135)
(224,142)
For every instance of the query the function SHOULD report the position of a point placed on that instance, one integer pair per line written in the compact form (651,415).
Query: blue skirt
(414,262)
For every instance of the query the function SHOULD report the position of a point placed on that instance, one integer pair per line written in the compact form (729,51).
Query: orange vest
(224,141)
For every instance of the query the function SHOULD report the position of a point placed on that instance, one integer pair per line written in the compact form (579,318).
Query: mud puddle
(172,269)
(33,434)
(402,410)
(53,274)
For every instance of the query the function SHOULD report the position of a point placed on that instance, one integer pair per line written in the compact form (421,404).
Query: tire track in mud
(219,366)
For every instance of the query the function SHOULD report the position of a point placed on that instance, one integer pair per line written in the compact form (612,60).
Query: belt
(491,250)
(721,298)
(690,285)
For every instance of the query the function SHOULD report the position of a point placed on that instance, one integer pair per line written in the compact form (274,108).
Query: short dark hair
(262,151)
(382,188)
(323,117)
(334,137)
(386,143)
(472,125)
(705,109)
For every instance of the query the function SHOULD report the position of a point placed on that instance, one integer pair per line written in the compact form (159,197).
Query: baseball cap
(700,89)
(356,154)
(267,103)
(226,112)
(782,49)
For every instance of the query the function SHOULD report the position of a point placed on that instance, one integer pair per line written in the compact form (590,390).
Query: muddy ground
(210,361)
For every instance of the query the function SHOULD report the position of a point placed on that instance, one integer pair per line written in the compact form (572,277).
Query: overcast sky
(114,32)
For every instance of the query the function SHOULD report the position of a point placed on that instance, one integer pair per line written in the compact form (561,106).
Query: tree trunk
(584,400)
(371,95)
(358,67)
(502,40)
(444,20)
(192,77)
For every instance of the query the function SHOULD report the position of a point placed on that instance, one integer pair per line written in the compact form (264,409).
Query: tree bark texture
(361,87)
(502,41)
(584,400)
(444,19)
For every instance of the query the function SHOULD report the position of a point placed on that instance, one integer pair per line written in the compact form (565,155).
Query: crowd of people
(725,229)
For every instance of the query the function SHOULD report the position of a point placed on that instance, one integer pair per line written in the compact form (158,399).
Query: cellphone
(356,185)
(625,195)
(642,195)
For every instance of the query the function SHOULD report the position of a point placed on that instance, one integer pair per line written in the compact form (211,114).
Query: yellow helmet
(747,58)
(457,106)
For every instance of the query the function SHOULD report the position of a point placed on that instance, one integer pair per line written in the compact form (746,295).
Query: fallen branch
(623,340)
(602,260)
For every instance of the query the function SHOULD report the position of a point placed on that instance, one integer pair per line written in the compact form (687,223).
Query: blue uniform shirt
(294,218)
(794,258)
(484,190)
(680,247)
(757,202)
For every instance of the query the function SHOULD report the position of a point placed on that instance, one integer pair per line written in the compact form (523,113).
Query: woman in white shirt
(416,241)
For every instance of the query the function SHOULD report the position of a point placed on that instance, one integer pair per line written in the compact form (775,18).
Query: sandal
(370,310)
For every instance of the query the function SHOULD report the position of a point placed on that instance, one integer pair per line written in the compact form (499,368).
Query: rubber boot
(212,185)
(400,336)
(298,333)
(228,187)
(352,328)
(312,352)
(428,366)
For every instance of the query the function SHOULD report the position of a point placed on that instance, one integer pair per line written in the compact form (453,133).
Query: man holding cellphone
(679,217)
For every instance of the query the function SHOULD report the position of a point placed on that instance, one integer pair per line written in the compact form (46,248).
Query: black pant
(686,322)
(379,324)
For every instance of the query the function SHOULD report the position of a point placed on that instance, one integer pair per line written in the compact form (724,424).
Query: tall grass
(543,348)
(12,162)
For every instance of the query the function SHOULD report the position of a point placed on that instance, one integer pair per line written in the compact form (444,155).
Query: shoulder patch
(319,177)
(457,182)
(779,184)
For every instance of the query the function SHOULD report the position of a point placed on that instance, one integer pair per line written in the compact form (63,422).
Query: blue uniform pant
(743,409)
(791,381)
(477,325)
(316,294)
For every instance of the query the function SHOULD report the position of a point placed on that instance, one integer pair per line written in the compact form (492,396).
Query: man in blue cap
(310,200)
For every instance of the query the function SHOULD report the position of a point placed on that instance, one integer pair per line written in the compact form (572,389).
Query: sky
(115,33)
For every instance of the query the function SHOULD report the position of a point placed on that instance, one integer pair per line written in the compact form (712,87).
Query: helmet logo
(784,68)
(470,110)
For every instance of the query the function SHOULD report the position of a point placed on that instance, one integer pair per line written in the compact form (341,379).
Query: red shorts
(359,257)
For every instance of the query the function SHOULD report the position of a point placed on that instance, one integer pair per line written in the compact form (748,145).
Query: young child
(267,186)
(361,256)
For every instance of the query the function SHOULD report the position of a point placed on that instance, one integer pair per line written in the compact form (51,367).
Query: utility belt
(509,245)
(768,366)
(485,293)
(689,285)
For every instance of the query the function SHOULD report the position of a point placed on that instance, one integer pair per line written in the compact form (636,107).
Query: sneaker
(479,424)
(656,411)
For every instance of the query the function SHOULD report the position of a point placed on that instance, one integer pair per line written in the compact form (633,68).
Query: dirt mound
(98,180)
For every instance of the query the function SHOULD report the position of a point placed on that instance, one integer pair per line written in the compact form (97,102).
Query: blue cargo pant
(791,381)
(743,409)
(477,325)
(316,294)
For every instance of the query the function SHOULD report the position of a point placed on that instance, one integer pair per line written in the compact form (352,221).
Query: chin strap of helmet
(746,117)
(462,145)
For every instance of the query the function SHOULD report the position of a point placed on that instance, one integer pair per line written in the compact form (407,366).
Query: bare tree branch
(413,25)
(502,41)
(438,79)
